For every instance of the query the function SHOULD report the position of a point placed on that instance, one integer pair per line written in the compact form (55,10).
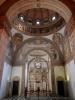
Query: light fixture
(53,18)
(37,22)
(21,17)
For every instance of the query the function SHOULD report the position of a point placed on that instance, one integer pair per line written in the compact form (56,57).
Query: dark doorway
(60,88)
(15,88)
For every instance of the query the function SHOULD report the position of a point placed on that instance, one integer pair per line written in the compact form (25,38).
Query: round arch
(29,40)
(42,49)
(49,74)
(34,59)
(33,40)
(54,5)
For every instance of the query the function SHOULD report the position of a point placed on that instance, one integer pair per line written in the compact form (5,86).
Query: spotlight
(21,17)
(53,18)
(37,22)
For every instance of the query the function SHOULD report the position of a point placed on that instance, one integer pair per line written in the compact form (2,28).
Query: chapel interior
(37,49)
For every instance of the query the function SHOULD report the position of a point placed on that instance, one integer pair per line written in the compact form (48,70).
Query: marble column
(49,74)
(26,78)
(23,81)
(26,75)
(4,40)
(53,79)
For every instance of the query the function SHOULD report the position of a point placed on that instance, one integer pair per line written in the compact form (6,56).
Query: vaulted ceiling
(6,4)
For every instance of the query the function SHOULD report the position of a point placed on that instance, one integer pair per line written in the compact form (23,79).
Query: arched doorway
(15,86)
(60,86)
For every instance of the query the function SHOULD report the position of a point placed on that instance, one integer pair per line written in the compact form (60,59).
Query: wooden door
(60,88)
(15,88)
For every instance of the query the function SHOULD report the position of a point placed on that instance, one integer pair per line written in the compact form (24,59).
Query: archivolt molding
(54,5)
(34,60)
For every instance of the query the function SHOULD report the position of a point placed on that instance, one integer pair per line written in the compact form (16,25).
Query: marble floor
(38,98)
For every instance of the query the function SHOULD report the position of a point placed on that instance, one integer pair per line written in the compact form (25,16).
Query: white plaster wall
(70,72)
(5,78)
(59,71)
(62,30)
(17,71)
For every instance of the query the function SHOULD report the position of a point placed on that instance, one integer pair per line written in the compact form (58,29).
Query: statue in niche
(58,38)
(17,39)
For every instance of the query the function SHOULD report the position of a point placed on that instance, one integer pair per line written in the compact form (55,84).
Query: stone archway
(36,43)
(38,75)
(49,51)
(50,74)
(43,74)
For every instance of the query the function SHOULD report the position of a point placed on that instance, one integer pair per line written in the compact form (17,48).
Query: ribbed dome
(38,21)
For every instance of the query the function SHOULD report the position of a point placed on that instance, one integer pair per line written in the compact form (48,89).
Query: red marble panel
(3,46)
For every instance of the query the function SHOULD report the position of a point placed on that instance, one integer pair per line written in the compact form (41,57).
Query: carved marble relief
(38,76)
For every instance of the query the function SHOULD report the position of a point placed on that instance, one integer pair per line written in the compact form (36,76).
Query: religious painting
(9,53)
(67,52)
